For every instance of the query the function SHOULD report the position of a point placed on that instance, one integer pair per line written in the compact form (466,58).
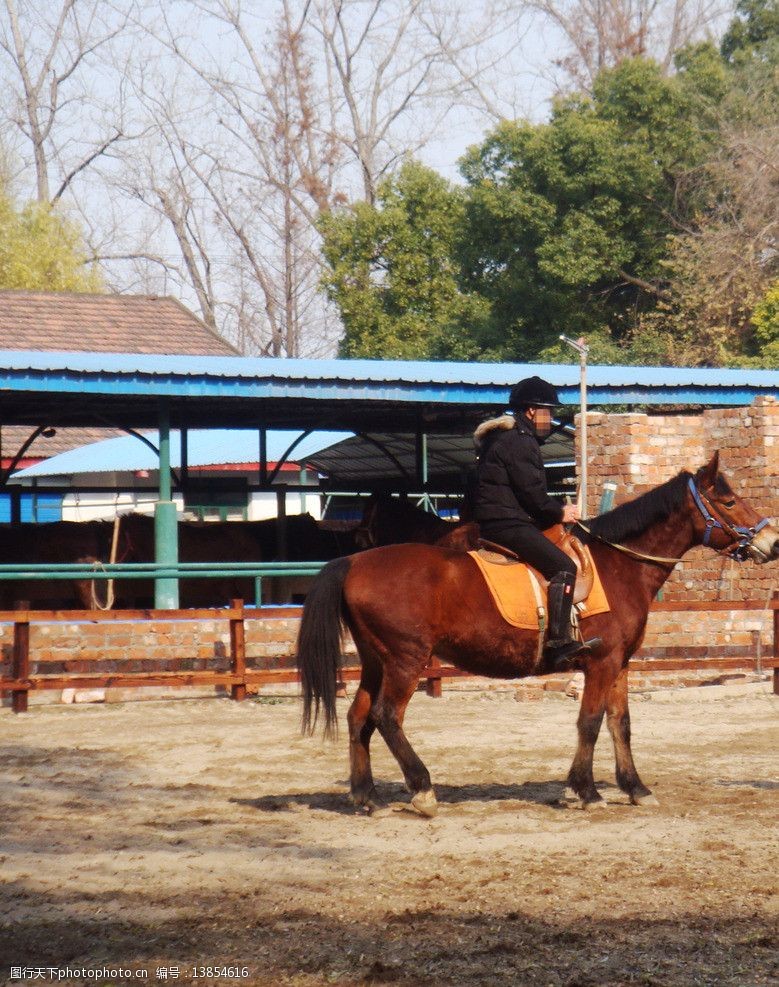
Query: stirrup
(562,653)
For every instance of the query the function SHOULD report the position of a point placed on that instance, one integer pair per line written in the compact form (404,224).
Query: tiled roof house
(32,320)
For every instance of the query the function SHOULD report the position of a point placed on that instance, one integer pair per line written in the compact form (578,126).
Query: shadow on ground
(547,793)
(409,947)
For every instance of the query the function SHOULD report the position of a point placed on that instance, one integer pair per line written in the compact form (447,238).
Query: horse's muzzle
(764,547)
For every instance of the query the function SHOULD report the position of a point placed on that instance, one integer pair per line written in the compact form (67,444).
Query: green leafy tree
(390,272)
(42,251)
(755,26)
(568,220)
(642,216)
(724,261)
(765,322)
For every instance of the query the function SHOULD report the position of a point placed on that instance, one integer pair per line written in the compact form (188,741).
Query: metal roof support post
(166,546)
(582,349)
(263,457)
(184,472)
(281,523)
(422,468)
(15,494)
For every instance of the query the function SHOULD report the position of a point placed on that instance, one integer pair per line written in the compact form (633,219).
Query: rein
(742,536)
(641,556)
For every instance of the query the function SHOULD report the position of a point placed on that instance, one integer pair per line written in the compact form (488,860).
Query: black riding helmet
(533,392)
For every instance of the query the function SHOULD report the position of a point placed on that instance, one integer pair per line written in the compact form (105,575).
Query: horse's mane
(634,517)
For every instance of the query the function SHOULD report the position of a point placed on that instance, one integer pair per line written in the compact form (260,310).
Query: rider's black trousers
(530,545)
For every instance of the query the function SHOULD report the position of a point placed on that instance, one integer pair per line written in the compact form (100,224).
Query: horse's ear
(708,474)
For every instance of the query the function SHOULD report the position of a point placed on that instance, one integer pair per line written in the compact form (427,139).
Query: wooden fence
(238,677)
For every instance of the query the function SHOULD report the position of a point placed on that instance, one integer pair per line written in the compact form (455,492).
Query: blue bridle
(743,536)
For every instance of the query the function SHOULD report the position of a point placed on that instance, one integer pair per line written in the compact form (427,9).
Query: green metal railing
(78,571)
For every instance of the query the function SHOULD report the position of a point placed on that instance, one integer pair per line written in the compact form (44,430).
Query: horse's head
(726,522)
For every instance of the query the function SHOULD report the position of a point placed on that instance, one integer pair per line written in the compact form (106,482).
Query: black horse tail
(319,645)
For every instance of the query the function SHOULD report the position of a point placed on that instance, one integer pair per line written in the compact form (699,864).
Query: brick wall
(638,452)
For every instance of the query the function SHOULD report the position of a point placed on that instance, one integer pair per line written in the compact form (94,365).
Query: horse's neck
(670,538)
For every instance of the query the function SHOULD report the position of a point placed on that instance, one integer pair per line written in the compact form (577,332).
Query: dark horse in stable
(405,603)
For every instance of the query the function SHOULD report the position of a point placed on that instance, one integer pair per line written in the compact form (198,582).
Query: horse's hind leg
(618,720)
(361,728)
(388,712)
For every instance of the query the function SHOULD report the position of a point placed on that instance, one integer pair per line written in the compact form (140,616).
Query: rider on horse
(512,505)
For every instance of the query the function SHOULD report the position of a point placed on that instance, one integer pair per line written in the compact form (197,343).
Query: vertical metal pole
(303,479)
(583,444)
(422,468)
(16,503)
(166,547)
(281,523)
(263,457)
(582,349)
(184,472)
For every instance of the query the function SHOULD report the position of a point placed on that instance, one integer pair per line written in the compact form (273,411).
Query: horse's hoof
(573,800)
(646,800)
(368,805)
(425,803)
(378,810)
(373,809)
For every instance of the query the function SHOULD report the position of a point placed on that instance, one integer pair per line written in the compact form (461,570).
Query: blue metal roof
(63,388)
(204,448)
(370,371)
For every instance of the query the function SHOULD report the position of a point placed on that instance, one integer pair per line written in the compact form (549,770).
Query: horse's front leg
(618,720)
(581,783)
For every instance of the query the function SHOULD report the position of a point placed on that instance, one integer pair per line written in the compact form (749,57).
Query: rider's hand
(571,513)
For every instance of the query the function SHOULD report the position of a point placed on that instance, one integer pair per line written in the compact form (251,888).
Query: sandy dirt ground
(167,838)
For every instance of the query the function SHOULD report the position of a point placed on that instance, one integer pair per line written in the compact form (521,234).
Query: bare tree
(233,175)
(396,70)
(722,266)
(601,33)
(306,112)
(50,56)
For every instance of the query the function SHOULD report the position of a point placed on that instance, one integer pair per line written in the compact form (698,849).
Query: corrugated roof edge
(562,375)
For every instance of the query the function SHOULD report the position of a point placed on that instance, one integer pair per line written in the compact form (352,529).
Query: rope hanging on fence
(109,599)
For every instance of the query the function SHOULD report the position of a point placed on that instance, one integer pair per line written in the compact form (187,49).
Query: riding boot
(561,647)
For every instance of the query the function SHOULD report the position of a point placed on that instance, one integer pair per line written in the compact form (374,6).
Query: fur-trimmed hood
(503,424)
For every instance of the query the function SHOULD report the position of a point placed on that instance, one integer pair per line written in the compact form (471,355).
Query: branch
(85,164)
(646,286)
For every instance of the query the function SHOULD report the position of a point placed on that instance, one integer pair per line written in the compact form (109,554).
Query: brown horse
(390,520)
(404,604)
(53,543)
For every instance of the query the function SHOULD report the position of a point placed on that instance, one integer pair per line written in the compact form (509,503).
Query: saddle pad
(514,596)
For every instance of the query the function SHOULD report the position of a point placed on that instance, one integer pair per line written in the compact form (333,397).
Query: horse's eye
(728,503)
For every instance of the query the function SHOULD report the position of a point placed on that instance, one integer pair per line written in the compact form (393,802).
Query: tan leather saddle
(568,543)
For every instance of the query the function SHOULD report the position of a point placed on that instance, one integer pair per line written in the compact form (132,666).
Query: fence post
(776,642)
(433,686)
(21,663)
(238,650)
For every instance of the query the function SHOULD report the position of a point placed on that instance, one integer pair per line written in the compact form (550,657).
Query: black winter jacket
(511,485)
